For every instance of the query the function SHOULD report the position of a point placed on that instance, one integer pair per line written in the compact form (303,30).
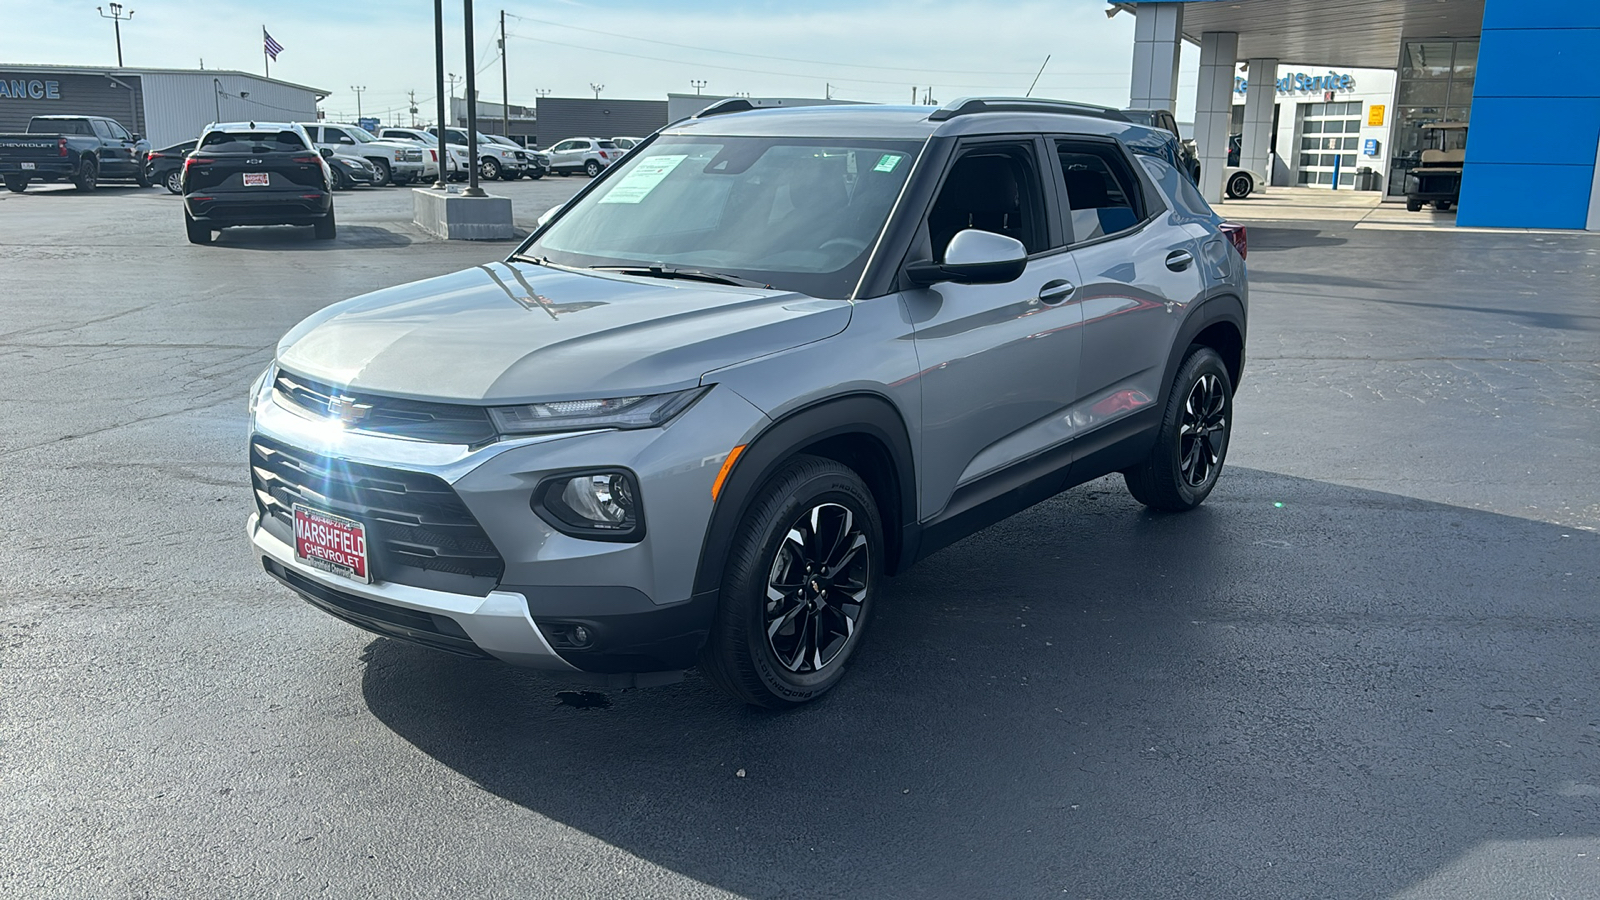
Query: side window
(1102,192)
(101,129)
(994,187)
(118,132)
(314,133)
(335,136)
(564,146)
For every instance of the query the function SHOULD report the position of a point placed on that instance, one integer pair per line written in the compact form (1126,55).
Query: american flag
(273,47)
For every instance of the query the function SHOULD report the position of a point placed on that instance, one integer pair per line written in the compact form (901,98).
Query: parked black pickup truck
(82,149)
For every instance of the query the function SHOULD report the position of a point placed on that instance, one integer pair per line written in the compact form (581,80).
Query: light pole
(116,17)
(472,105)
(697,84)
(358,90)
(542,92)
(597,89)
(438,90)
(216,97)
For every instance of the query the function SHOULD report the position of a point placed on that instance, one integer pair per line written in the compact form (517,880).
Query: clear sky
(874,51)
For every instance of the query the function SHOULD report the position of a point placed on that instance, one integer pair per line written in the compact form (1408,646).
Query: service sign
(28,88)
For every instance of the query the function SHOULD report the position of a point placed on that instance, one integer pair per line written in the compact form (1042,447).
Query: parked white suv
(495,161)
(457,157)
(397,162)
(587,155)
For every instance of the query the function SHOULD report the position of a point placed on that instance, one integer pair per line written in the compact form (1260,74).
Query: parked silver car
(773,358)
(590,156)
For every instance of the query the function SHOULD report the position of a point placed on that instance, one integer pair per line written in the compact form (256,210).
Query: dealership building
(165,105)
(1327,125)
(1519,73)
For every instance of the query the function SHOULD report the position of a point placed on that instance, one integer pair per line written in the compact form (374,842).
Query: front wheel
(336,180)
(1239,186)
(16,184)
(1193,441)
(535,174)
(1443,205)
(591,168)
(1413,206)
(489,170)
(800,580)
(385,175)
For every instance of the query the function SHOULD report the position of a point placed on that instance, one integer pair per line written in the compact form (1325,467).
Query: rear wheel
(199,233)
(174,182)
(16,184)
(326,230)
(1193,442)
(1413,206)
(799,584)
(1239,186)
(88,177)
(591,168)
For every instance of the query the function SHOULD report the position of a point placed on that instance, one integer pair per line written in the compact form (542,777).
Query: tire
(489,170)
(1413,206)
(1239,186)
(403,180)
(142,179)
(591,168)
(326,228)
(16,184)
(385,174)
(1181,470)
(535,174)
(174,182)
(1443,205)
(508,175)
(88,177)
(337,181)
(198,233)
(814,510)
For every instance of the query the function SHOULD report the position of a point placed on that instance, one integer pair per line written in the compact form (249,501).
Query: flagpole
(266,61)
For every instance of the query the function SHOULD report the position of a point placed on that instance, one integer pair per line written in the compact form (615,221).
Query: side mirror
(326,153)
(136,138)
(974,257)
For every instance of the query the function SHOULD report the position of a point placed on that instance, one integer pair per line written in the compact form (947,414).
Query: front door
(998,362)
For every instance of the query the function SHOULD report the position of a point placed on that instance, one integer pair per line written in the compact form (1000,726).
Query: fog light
(581,636)
(596,505)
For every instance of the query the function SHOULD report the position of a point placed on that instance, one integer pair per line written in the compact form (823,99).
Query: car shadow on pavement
(1301,689)
(278,237)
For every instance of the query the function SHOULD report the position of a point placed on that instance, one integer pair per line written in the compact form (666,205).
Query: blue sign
(29,89)
(1369,147)
(370,123)
(1301,82)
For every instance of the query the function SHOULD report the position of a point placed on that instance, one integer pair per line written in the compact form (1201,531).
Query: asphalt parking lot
(1365,668)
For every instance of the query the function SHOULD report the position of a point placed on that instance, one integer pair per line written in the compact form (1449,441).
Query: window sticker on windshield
(646,174)
(887,163)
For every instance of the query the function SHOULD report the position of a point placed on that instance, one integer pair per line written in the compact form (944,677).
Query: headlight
(599,505)
(262,385)
(350,163)
(647,411)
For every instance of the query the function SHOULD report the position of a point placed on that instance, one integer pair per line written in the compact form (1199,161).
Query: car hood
(519,332)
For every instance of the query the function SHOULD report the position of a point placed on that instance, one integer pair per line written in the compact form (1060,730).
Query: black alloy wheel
(798,588)
(88,177)
(174,181)
(1192,442)
(16,184)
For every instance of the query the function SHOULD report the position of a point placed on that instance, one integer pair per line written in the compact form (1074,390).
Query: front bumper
(634,599)
(413,169)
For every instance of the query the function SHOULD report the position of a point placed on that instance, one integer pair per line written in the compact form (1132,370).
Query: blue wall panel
(1527,196)
(1535,116)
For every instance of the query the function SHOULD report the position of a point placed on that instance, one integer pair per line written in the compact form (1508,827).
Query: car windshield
(361,135)
(794,213)
(252,142)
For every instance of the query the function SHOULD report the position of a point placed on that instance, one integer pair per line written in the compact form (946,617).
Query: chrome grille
(411,155)
(443,423)
(418,530)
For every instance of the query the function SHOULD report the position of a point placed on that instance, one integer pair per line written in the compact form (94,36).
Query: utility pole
(413,106)
(358,91)
(827,91)
(505,90)
(913,95)
(472,104)
(597,89)
(697,84)
(542,92)
(116,17)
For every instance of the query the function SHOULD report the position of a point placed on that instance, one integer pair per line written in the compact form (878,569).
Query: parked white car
(457,158)
(587,155)
(494,160)
(396,162)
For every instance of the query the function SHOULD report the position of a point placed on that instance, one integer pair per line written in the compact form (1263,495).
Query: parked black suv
(256,173)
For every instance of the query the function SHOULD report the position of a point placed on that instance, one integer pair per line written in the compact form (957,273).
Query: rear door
(999,362)
(1139,269)
(253,163)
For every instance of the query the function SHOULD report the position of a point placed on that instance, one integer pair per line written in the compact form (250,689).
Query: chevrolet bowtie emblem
(347,410)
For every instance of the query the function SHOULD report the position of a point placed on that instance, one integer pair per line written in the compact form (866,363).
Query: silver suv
(771,359)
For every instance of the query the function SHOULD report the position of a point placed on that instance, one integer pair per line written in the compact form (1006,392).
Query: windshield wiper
(671,272)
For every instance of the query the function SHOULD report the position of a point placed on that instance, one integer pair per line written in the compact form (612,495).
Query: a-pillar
(1157,39)
(1213,108)
(1260,98)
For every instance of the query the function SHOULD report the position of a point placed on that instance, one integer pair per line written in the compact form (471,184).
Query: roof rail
(967,106)
(723,107)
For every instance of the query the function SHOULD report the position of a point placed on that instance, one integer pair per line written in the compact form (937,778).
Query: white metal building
(165,105)
(1324,120)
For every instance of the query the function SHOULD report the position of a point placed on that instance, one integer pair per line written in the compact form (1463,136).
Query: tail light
(61,146)
(196,161)
(433,155)
(603,155)
(1237,236)
(305,160)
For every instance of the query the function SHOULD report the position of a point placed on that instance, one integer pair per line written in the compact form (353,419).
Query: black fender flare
(868,414)
(1221,307)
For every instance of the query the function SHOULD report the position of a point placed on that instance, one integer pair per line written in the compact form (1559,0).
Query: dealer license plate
(28,166)
(331,543)
(251,178)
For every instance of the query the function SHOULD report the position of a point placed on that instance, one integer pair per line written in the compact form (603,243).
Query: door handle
(1178,260)
(1056,291)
